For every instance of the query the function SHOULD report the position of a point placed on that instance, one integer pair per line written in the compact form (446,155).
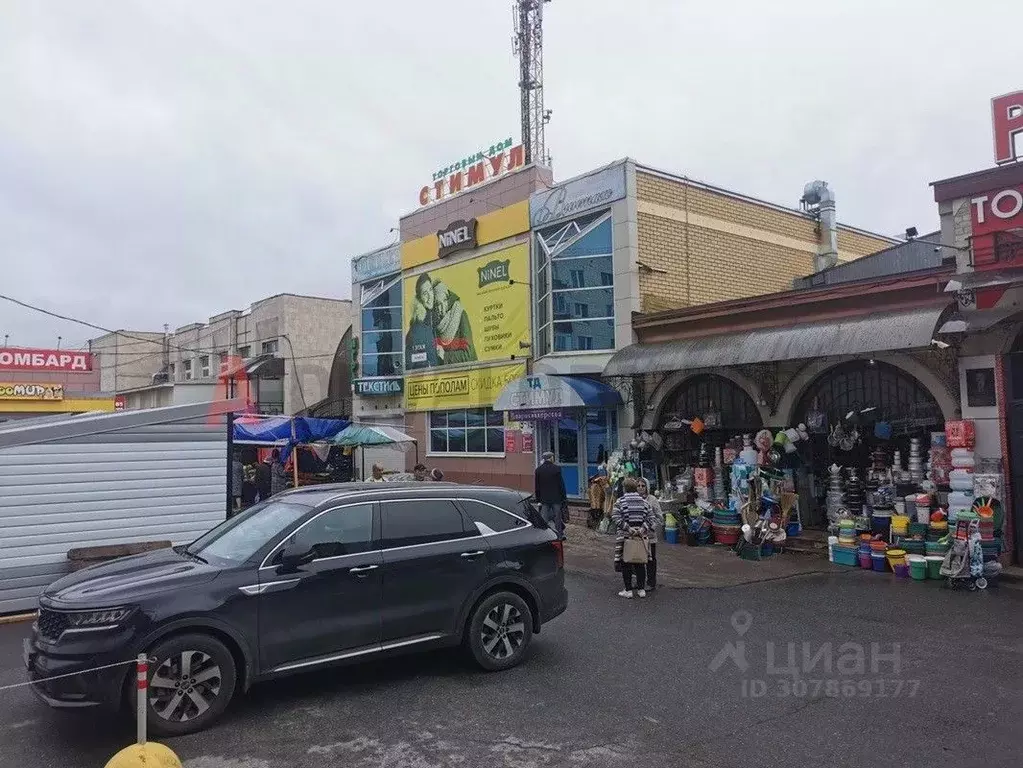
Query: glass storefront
(579,441)
(574,286)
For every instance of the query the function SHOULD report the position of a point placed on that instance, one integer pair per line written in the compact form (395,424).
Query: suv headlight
(105,617)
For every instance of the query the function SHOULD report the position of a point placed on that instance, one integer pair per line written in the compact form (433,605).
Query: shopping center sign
(24,359)
(31,391)
(496,160)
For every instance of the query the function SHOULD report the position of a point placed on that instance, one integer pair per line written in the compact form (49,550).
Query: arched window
(718,401)
(721,403)
(894,395)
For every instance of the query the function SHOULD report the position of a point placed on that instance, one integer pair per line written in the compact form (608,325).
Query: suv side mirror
(293,558)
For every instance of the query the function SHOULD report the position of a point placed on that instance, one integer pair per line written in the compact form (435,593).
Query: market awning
(360,435)
(548,396)
(883,332)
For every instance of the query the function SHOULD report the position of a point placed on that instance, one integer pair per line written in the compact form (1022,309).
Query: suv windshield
(239,538)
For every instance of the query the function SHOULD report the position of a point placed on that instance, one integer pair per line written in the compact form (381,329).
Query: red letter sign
(1007,122)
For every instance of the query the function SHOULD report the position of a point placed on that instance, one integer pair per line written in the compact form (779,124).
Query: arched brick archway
(673,383)
(786,412)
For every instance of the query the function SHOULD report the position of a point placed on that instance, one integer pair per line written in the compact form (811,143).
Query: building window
(170,372)
(187,366)
(472,431)
(269,347)
(245,352)
(204,366)
(270,396)
(574,286)
(381,347)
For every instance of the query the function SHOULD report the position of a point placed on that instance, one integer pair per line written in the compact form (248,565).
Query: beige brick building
(699,244)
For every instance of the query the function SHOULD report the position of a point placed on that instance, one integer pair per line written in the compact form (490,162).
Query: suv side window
(420,521)
(341,531)
(495,520)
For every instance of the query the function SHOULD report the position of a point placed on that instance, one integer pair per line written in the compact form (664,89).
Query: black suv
(312,577)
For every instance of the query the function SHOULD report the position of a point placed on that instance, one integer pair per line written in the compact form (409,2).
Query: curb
(17,618)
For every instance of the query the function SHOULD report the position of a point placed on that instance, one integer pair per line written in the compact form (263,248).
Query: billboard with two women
(473,311)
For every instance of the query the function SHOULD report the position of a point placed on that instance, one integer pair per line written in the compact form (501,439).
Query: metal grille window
(470,431)
(204,366)
(382,353)
(574,286)
(269,347)
(186,365)
(245,352)
(892,395)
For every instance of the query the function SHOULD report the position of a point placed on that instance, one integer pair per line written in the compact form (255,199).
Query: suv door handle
(477,553)
(363,569)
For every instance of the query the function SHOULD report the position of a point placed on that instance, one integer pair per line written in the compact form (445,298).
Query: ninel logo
(1007,124)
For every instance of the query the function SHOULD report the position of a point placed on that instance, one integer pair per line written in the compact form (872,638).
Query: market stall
(362,435)
(304,442)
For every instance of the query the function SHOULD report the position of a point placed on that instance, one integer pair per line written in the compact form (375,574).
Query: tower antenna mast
(528,46)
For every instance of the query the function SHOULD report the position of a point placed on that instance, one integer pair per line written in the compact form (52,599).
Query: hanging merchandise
(815,418)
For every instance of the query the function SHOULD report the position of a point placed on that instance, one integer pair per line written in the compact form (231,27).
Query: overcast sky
(161,162)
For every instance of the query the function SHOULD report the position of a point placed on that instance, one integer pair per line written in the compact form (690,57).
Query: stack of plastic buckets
(877,555)
(897,561)
(864,551)
(726,526)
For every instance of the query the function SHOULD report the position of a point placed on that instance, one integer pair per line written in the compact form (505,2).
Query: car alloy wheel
(503,631)
(184,686)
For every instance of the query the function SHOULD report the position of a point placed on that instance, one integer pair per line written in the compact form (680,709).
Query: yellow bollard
(148,755)
(144,754)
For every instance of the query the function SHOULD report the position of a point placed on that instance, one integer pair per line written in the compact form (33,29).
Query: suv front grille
(52,623)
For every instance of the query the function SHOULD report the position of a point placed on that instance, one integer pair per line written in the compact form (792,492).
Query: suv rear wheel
(191,682)
(500,631)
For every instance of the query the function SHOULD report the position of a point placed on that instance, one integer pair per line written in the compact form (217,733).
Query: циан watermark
(814,670)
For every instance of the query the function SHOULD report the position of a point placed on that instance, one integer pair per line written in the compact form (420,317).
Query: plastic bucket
(896,557)
(902,571)
(917,567)
(671,535)
(865,560)
(934,566)
(878,562)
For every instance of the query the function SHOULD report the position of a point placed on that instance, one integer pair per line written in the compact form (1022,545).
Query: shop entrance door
(579,441)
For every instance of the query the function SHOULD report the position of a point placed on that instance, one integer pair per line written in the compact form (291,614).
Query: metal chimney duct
(819,201)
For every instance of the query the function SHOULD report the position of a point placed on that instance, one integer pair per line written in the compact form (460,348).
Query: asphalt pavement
(690,677)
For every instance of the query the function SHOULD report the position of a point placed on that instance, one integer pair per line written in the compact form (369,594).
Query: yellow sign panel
(31,391)
(466,389)
(473,311)
(490,228)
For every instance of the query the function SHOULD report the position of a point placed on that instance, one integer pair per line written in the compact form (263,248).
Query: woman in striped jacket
(631,513)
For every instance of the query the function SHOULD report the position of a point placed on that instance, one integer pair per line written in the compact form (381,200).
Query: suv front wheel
(191,682)
(500,631)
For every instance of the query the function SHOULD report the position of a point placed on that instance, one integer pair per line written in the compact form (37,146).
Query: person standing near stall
(655,507)
(278,476)
(633,519)
(551,494)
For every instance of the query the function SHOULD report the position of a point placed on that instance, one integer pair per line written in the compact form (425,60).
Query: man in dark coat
(550,493)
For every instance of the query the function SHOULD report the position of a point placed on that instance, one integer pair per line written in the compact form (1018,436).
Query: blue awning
(546,396)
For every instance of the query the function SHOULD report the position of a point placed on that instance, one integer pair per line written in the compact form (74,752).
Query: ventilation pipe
(820,201)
